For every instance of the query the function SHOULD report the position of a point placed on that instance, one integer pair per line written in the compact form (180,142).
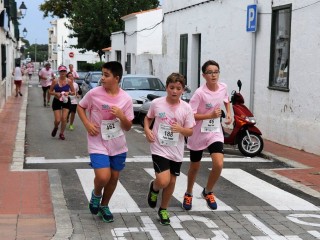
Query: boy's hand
(149,135)
(176,128)
(216,113)
(228,119)
(92,129)
(117,112)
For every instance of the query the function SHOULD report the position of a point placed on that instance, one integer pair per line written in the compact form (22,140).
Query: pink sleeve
(194,102)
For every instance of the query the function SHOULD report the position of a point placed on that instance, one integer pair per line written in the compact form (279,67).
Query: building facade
(61,50)
(277,63)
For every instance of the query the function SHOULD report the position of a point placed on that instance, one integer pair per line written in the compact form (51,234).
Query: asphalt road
(250,202)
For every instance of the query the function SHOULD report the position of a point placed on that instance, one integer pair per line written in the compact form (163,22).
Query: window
(3,61)
(128,63)
(183,61)
(118,56)
(280,48)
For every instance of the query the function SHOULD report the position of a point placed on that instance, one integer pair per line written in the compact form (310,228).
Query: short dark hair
(115,68)
(176,77)
(208,63)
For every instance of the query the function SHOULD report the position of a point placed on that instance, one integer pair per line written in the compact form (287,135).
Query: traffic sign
(71,54)
(252,18)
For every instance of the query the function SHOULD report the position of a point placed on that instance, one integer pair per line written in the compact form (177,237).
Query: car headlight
(250,119)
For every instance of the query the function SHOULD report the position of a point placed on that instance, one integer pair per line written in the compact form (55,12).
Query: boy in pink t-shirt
(207,134)
(46,76)
(110,112)
(173,120)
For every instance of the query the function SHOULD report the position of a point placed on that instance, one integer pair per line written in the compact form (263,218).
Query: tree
(59,8)
(93,21)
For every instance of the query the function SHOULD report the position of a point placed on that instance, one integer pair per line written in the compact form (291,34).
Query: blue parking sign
(252,18)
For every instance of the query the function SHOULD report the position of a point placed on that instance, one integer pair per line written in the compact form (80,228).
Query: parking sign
(251,18)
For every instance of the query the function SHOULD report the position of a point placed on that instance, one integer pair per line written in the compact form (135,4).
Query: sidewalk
(26,201)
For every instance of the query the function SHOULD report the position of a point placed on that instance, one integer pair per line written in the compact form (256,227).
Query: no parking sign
(252,18)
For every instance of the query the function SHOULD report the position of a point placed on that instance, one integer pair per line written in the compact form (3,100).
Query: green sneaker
(164,217)
(152,196)
(71,127)
(105,213)
(94,203)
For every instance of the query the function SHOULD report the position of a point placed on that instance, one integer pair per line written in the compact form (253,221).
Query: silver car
(139,86)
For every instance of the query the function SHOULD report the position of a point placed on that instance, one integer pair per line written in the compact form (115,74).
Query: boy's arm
(147,130)
(91,128)
(176,128)
(228,109)
(124,122)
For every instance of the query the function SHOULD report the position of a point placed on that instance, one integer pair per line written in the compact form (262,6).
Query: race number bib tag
(211,125)
(110,129)
(166,136)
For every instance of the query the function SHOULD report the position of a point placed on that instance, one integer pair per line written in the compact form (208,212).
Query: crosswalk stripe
(276,197)
(198,203)
(42,160)
(121,200)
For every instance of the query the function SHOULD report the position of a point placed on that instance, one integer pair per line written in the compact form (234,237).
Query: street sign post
(252,18)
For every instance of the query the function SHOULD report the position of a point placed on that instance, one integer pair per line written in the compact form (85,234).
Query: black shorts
(73,108)
(45,89)
(161,164)
(58,105)
(216,147)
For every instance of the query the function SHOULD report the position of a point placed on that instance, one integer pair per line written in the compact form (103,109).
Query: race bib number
(111,129)
(211,125)
(166,136)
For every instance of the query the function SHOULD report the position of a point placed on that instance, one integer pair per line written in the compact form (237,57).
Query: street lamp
(24,32)
(23,9)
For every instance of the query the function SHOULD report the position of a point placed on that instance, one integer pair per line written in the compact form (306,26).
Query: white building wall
(62,53)
(290,118)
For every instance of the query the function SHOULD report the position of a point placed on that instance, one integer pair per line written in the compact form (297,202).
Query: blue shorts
(116,162)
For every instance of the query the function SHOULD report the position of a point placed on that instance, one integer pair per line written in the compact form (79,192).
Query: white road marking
(198,203)
(42,160)
(276,197)
(121,200)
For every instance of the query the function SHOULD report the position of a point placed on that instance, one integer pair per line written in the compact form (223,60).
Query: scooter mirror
(239,83)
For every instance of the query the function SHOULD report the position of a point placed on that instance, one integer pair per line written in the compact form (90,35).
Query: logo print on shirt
(162,115)
(208,105)
(105,107)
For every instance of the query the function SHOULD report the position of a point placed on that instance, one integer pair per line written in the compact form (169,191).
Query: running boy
(110,112)
(206,105)
(173,121)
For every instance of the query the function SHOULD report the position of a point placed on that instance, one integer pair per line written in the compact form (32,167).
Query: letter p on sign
(251,18)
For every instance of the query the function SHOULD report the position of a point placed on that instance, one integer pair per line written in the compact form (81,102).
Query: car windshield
(142,83)
(82,74)
(96,77)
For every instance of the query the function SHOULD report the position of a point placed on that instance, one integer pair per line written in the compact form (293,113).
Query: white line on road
(198,203)
(276,197)
(127,204)
(42,160)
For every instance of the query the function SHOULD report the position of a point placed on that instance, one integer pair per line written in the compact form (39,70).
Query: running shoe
(20,94)
(61,136)
(187,202)
(209,197)
(48,104)
(152,196)
(71,127)
(105,213)
(94,204)
(44,104)
(164,217)
(54,132)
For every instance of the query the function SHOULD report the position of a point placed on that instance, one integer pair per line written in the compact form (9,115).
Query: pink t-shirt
(48,74)
(166,114)
(97,103)
(204,101)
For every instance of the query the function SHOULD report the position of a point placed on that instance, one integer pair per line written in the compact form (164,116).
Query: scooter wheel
(250,148)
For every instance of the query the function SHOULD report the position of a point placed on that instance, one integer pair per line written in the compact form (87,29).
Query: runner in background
(46,76)
(74,102)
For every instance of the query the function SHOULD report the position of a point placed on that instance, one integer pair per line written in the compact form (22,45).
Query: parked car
(139,86)
(186,96)
(82,75)
(90,81)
